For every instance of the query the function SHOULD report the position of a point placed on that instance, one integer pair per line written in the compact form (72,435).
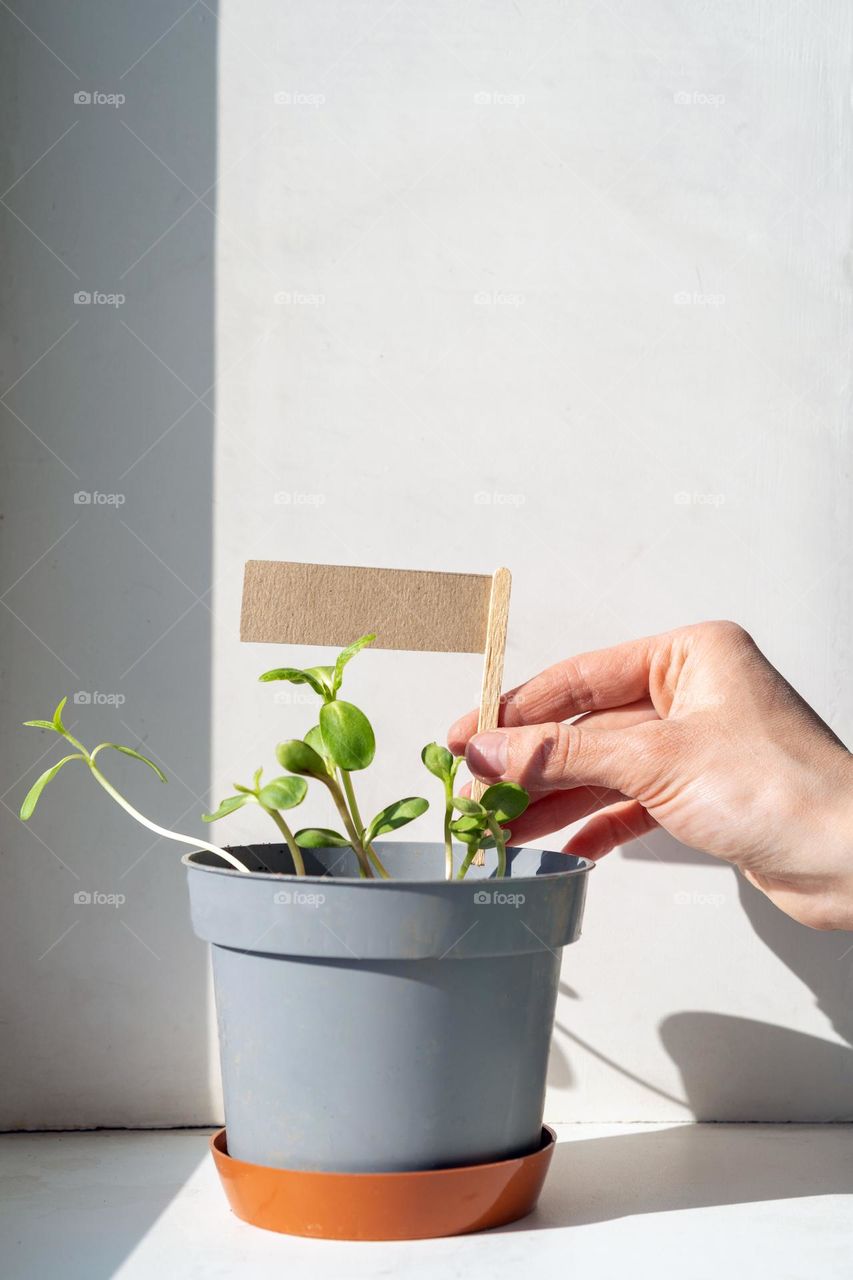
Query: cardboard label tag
(331,604)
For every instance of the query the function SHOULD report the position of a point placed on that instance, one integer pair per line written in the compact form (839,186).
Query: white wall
(545,157)
(586,197)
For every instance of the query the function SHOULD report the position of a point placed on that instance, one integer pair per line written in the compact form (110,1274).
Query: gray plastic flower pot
(384,1025)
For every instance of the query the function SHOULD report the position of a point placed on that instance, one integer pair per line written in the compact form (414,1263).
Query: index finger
(592,681)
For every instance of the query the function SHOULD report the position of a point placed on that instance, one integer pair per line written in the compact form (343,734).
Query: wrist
(828,841)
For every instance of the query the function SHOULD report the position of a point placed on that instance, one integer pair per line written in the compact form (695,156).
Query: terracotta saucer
(384,1206)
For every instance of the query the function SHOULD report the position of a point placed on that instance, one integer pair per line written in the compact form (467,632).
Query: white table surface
(629,1200)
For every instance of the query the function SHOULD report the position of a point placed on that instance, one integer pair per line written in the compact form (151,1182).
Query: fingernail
(486,754)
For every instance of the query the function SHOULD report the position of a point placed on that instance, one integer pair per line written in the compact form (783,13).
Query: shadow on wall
(107,413)
(730,1065)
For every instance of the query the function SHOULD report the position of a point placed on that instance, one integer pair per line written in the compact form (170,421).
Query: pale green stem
(78,745)
(340,805)
(448,819)
(500,842)
(161,831)
(359,825)
(467,860)
(290,839)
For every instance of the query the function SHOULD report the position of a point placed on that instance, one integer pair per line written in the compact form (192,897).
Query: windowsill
(632,1198)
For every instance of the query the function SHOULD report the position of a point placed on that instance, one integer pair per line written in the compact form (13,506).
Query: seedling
(281,793)
(340,744)
(481,823)
(89,757)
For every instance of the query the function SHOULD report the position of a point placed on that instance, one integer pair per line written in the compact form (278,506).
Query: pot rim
(583,867)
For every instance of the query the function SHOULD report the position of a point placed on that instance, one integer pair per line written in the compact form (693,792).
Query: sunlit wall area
(562,289)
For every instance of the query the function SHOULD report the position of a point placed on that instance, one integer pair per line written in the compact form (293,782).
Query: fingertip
(460,732)
(583,845)
(486,755)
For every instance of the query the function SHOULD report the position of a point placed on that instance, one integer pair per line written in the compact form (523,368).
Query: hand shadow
(733,1069)
(742,1069)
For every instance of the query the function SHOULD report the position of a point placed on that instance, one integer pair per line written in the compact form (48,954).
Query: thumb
(548,757)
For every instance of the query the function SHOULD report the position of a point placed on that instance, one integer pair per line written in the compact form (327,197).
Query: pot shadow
(686,1167)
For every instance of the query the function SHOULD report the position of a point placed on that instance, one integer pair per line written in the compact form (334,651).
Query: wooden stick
(493,669)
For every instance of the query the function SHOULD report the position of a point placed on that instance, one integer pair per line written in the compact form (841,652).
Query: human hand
(693,731)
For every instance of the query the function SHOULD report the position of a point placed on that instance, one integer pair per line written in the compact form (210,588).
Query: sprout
(89,757)
(481,823)
(341,744)
(281,793)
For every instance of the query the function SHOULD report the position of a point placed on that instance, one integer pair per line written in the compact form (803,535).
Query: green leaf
(297,757)
(344,656)
(467,837)
(129,751)
(472,831)
(468,806)
(438,760)
(475,837)
(227,806)
(324,677)
(283,793)
(256,778)
(468,825)
(396,815)
(314,738)
(41,724)
(506,800)
(295,676)
(57,717)
(246,791)
(31,799)
(320,838)
(348,735)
